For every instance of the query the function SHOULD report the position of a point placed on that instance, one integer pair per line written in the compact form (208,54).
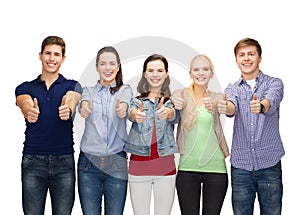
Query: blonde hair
(189,113)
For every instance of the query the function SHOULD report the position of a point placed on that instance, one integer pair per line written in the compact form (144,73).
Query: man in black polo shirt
(48,103)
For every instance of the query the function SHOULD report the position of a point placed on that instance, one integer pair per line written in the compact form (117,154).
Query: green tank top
(202,151)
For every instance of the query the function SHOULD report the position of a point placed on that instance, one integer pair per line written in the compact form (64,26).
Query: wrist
(70,114)
(262,108)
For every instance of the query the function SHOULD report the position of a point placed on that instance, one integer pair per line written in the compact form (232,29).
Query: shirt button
(160,141)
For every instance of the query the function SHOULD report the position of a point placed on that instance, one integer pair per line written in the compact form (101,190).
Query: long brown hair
(143,87)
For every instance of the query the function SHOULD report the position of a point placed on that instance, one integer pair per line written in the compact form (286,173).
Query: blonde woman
(202,145)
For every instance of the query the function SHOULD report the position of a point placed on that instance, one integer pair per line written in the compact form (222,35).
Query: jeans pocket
(27,161)
(69,162)
(120,163)
(83,163)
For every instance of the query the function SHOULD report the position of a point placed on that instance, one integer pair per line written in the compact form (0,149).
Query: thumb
(140,107)
(206,92)
(161,103)
(63,101)
(35,103)
(89,103)
(224,96)
(254,96)
(117,103)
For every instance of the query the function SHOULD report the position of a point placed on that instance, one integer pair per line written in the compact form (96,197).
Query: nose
(51,56)
(155,73)
(108,66)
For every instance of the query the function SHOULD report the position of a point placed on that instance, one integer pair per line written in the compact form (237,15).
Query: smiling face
(155,75)
(201,72)
(248,60)
(51,59)
(107,67)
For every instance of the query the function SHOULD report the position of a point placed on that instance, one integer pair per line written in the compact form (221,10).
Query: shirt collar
(258,78)
(101,87)
(60,79)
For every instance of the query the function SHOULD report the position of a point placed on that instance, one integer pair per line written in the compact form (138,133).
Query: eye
(113,63)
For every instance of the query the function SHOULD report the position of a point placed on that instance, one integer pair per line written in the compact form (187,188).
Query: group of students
(50,102)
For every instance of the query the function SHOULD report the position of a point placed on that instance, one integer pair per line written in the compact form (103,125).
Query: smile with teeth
(108,73)
(155,80)
(51,64)
(201,78)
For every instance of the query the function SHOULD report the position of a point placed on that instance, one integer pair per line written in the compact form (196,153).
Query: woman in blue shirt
(102,164)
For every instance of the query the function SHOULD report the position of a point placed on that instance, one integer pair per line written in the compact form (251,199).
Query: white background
(210,27)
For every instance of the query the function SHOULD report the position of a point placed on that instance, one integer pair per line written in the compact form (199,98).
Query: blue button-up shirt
(105,132)
(256,142)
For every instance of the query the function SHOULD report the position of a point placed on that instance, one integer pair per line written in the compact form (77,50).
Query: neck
(49,78)
(200,91)
(250,76)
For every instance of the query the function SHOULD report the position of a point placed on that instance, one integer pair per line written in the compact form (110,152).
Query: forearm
(72,100)
(24,102)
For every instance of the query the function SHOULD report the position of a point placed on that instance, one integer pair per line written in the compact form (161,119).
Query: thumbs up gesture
(162,111)
(121,108)
(178,99)
(64,111)
(255,104)
(208,103)
(33,112)
(222,105)
(140,116)
(86,108)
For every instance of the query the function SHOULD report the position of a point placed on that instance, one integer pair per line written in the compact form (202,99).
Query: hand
(86,108)
(178,100)
(140,116)
(33,112)
(209,103)
(255,104)
(121,108)
(162,111)
(222,105)
(64,110)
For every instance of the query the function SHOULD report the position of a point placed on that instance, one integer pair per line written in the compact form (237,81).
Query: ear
(191,75)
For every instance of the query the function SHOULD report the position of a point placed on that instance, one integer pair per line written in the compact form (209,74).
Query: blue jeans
(43,173)
(267,183)
(97,176)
